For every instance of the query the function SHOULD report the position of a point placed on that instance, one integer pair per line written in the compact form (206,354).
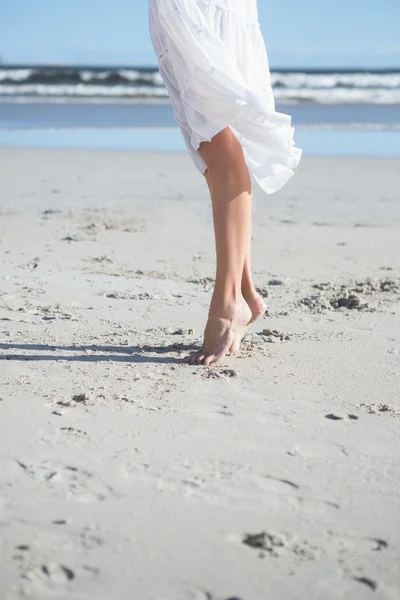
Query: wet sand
(127,474)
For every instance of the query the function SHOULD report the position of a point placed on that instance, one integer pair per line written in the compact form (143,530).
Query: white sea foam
(338,95)
(15,74)
(81,90)
(336,80)
(377,87)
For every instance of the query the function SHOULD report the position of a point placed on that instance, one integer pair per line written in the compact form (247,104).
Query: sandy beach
(127,474)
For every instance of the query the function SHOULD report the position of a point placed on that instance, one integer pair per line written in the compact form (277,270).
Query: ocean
(355,112)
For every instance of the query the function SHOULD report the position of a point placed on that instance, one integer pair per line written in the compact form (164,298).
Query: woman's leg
(252,297)
(248,289)
(249,293)
(231,194)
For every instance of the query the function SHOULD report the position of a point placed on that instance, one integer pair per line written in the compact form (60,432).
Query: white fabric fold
(213,60)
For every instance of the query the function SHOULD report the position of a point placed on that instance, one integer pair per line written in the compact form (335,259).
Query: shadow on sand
(129,354)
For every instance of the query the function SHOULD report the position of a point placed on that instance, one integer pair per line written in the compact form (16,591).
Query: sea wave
(326,87)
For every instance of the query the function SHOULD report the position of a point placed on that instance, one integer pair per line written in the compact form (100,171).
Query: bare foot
(258,308)
(220,333)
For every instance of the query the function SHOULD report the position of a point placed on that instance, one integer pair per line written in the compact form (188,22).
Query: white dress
(213,61)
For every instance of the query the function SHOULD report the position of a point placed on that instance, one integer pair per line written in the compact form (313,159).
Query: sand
(127,474)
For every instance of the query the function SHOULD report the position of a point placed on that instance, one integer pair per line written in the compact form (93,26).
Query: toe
(190,359)
(200,358)
(209,360)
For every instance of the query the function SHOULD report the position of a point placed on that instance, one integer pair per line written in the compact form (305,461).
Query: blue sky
(306,33)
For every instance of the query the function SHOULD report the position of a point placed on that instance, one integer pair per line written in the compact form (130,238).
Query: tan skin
(235,303)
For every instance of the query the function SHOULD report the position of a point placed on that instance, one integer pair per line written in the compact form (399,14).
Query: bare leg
(249,293)
(252,297)
(231,196)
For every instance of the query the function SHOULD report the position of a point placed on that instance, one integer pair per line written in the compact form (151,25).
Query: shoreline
(324,143)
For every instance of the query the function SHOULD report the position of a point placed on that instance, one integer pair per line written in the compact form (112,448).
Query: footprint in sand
(216,373)
(36,560)
(57,573)
(278,544)
(90,539)
(380,409)
(76,483)
(51,578)
(47,577)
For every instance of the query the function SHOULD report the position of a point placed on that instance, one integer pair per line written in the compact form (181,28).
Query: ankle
(227,292)
(249,291)
(226,304)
